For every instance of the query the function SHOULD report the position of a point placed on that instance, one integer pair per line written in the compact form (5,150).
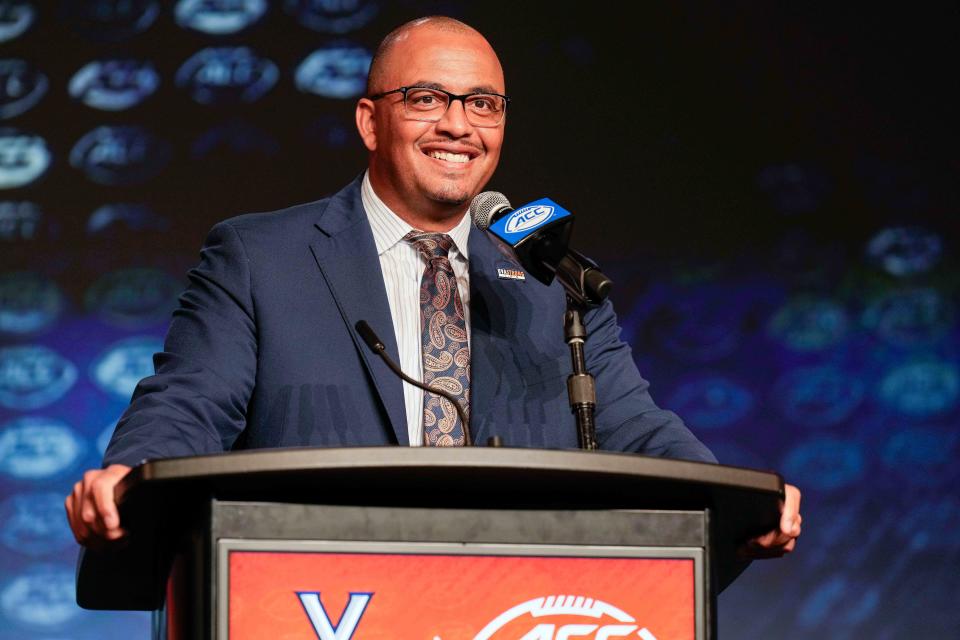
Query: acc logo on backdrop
(806,323)
(227,75)
(21,87)
(103,440)
(334,71)
(24,157)
(562,617)
(42,598)
(818,396)
(123,364)
(921,389)
(109,19)
(236,137)
(29,302)
(33,524)
(904,251)
(825,463)
(122,155)
(114,85)
(34,448)
(19,220)
(333,16)
(133,217)
(910,317)
(133,297)
(711,402)
(16,17)
(33,376)
(219,17)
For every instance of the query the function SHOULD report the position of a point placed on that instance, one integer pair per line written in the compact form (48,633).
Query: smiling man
(262,351)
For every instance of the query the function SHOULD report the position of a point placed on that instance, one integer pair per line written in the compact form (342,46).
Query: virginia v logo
(349,619)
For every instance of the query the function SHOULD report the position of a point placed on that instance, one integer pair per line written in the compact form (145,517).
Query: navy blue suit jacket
(262,351)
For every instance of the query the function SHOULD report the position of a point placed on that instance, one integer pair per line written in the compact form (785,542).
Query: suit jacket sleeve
(627,418)
(197,400)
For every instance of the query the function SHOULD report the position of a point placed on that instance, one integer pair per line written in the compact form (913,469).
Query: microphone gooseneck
(377,346)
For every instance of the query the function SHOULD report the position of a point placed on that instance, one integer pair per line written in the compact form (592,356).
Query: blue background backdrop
(773,190)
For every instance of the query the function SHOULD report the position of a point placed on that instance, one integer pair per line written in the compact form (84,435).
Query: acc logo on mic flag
(523,221)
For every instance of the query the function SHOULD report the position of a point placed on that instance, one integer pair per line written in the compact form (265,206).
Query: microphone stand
(581,387)
(586,287)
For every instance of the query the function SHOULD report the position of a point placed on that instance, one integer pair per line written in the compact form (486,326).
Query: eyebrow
(425,84)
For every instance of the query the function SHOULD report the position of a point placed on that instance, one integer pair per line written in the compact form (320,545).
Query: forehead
(454,61)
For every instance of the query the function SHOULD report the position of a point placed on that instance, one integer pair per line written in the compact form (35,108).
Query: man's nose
(454,121)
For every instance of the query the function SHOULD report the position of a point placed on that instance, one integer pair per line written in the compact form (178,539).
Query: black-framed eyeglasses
(428,105)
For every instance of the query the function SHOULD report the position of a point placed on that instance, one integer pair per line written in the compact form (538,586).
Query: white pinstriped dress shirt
(402,268)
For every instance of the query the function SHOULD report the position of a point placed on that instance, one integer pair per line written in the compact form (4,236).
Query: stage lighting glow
(120,155)
(227,75)
(16,16)
(711,402)
(24,157)
(29,303)
(335,71)
(32,376)
(114,84)
(219,17)
(123,364)
(32,524)
(134,297)
(338,16)
(38,448)
(21,87)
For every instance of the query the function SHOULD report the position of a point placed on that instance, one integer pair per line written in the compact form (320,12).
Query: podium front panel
(288,570)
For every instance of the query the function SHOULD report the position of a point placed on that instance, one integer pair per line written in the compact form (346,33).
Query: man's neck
(435,217)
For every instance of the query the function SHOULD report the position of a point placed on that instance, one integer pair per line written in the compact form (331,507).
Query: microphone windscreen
(485,206)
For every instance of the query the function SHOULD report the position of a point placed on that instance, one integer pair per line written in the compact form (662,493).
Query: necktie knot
(430,245)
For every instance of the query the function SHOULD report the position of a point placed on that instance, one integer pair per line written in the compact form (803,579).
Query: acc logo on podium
(563,617)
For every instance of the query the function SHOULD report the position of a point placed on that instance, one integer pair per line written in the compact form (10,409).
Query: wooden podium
(448,544)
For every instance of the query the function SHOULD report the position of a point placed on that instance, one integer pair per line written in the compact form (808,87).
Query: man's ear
(365,123)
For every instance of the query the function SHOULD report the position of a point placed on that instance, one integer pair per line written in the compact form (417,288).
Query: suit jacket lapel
(347,257)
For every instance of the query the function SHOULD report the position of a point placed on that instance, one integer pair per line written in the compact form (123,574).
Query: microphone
(376,345)
(539,234)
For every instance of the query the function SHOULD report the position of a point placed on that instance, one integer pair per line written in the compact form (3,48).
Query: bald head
(382,56)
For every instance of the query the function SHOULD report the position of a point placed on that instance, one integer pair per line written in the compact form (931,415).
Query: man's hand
(91,510)
(782,541)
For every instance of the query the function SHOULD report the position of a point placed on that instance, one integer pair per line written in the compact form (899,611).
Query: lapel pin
(507,271)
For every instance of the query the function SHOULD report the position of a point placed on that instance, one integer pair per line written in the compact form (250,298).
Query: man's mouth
(449,157)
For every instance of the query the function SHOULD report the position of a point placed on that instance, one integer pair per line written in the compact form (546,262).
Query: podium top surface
(742,502)
(249,470)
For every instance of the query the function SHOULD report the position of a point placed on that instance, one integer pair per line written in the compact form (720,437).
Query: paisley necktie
(446,356)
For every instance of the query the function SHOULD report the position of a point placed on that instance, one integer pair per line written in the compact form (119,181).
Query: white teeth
(449,157)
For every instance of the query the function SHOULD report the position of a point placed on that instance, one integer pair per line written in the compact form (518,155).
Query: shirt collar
(389,228)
